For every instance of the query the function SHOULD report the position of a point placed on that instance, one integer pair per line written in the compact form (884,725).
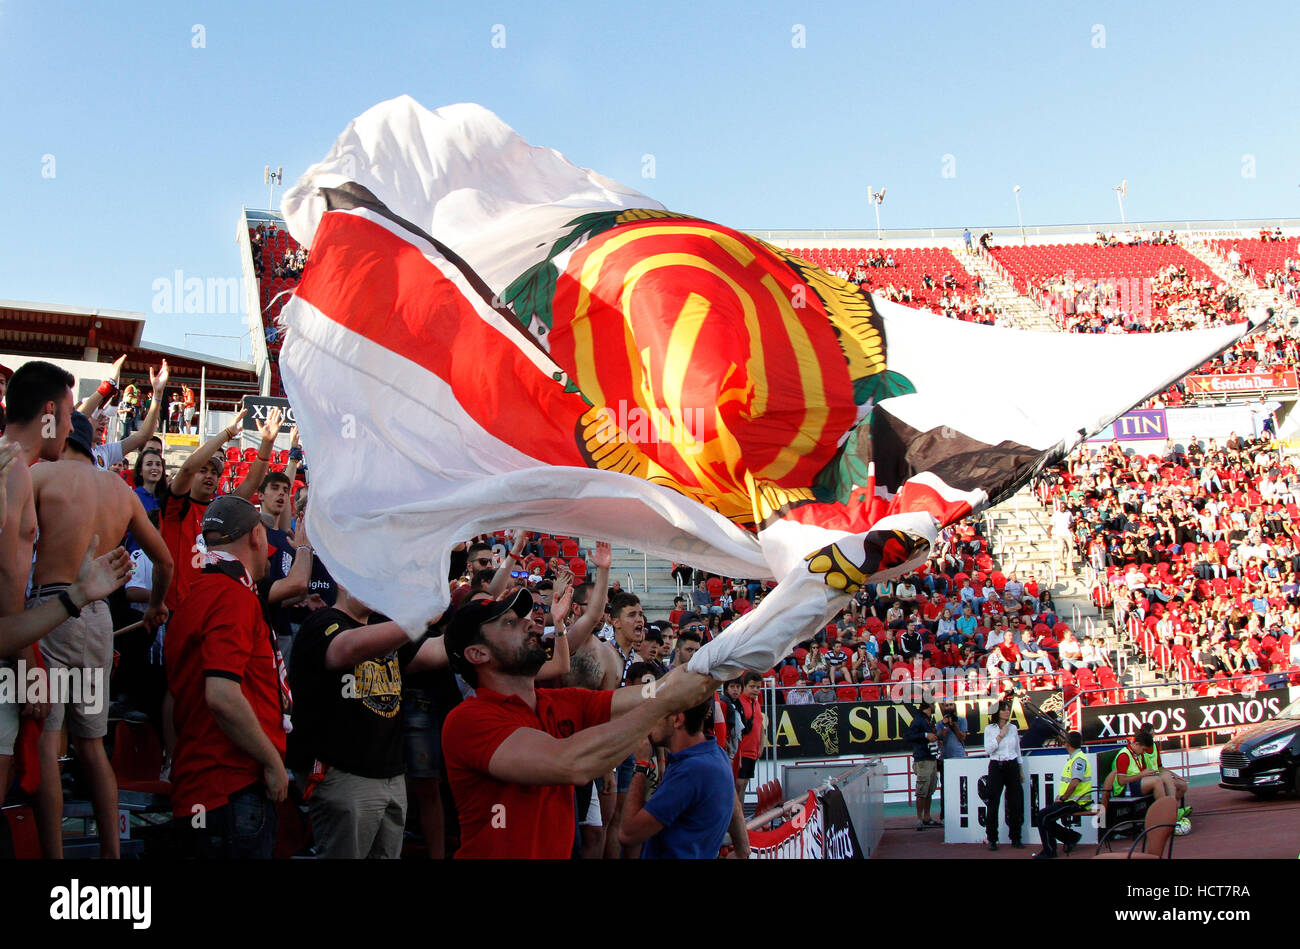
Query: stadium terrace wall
(1038,234)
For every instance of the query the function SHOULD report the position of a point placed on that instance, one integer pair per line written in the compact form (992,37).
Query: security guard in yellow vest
(1075,797)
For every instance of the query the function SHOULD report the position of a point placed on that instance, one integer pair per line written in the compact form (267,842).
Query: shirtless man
(39,408)
(592,665)
(76,501)
(628,620)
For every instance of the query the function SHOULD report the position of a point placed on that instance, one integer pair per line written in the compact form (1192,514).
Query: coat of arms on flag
(489,336)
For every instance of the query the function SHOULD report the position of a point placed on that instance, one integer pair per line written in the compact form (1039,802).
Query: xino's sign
(259,407)
(1212,715)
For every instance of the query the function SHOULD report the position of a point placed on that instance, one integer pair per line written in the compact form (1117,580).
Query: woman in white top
(1002,745)
(947,626)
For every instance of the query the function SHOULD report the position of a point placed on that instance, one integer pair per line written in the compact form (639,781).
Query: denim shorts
(421,736)
(624,774)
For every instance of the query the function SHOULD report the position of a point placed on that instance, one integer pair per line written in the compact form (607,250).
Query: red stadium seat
(138,758)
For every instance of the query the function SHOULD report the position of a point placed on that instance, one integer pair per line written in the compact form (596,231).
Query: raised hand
(562,603)
(234,428)
(158,380)
(271,427)
(293,435)
(117,366)
(602,556)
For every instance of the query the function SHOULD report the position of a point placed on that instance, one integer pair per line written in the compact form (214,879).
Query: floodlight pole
(1019,216)
(877,199)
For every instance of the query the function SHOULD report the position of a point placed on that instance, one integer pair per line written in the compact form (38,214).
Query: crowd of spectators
(1134,239)
(1170,301)
(1197,552)
(296,719)
(1265,264)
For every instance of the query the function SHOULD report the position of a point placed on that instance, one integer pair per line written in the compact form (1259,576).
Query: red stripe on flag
(374,283)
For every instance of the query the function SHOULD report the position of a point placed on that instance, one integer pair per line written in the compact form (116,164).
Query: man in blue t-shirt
(695,804)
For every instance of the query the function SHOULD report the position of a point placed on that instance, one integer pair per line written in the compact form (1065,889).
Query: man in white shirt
(1002,744)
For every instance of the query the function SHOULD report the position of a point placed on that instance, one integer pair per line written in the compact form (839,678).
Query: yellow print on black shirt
(379,685)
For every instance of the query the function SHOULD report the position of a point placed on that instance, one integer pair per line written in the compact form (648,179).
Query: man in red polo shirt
(182,506)
(514,752)
(231,697)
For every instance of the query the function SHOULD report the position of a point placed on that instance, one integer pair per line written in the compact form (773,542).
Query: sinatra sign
(1138,425)
(1212,715)
(878,728)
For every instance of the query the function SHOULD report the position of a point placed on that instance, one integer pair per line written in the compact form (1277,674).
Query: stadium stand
(911,275)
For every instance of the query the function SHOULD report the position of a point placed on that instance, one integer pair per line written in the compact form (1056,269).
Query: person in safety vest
(1075,798)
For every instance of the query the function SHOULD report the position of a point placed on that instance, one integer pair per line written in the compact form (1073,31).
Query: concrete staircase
(1248,292)
(1022,312)
(650,578)
(1021,543)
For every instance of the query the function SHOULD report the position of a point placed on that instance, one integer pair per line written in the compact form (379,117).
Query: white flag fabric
(487,336)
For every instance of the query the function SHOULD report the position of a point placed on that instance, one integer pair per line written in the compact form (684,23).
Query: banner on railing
(880,728)
(1242,382)
(1214,716)
(799,838)
(839,841)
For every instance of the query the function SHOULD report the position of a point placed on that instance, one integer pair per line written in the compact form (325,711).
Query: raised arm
(585,625)
(268,430)
(137,439)
(297,581)
(502,578)
(106,388)
(151,542)
(184,478)
(531,756)
(561,603)
(348,648)
(290,472)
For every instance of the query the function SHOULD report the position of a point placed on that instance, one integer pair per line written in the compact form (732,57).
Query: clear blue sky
(156,143)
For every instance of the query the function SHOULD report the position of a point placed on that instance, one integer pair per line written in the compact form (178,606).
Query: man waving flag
(487,335)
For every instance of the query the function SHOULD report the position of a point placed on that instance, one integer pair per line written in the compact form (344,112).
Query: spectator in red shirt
(513,752)
(229,687)
(751,742)
(183,504)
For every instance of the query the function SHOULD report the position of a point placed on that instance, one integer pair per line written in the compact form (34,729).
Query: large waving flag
(488,336)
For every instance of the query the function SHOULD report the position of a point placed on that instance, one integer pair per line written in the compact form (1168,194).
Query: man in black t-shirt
(346,678)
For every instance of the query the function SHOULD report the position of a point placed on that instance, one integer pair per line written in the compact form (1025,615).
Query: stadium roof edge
(72,310)
(197,356)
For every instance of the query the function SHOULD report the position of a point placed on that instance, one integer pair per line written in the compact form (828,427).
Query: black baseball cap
(82,435)
(687,619)
(227,519)
(463,629)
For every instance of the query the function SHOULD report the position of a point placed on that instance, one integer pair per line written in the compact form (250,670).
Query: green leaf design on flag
(531,293)
(850,467)
(881,386)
